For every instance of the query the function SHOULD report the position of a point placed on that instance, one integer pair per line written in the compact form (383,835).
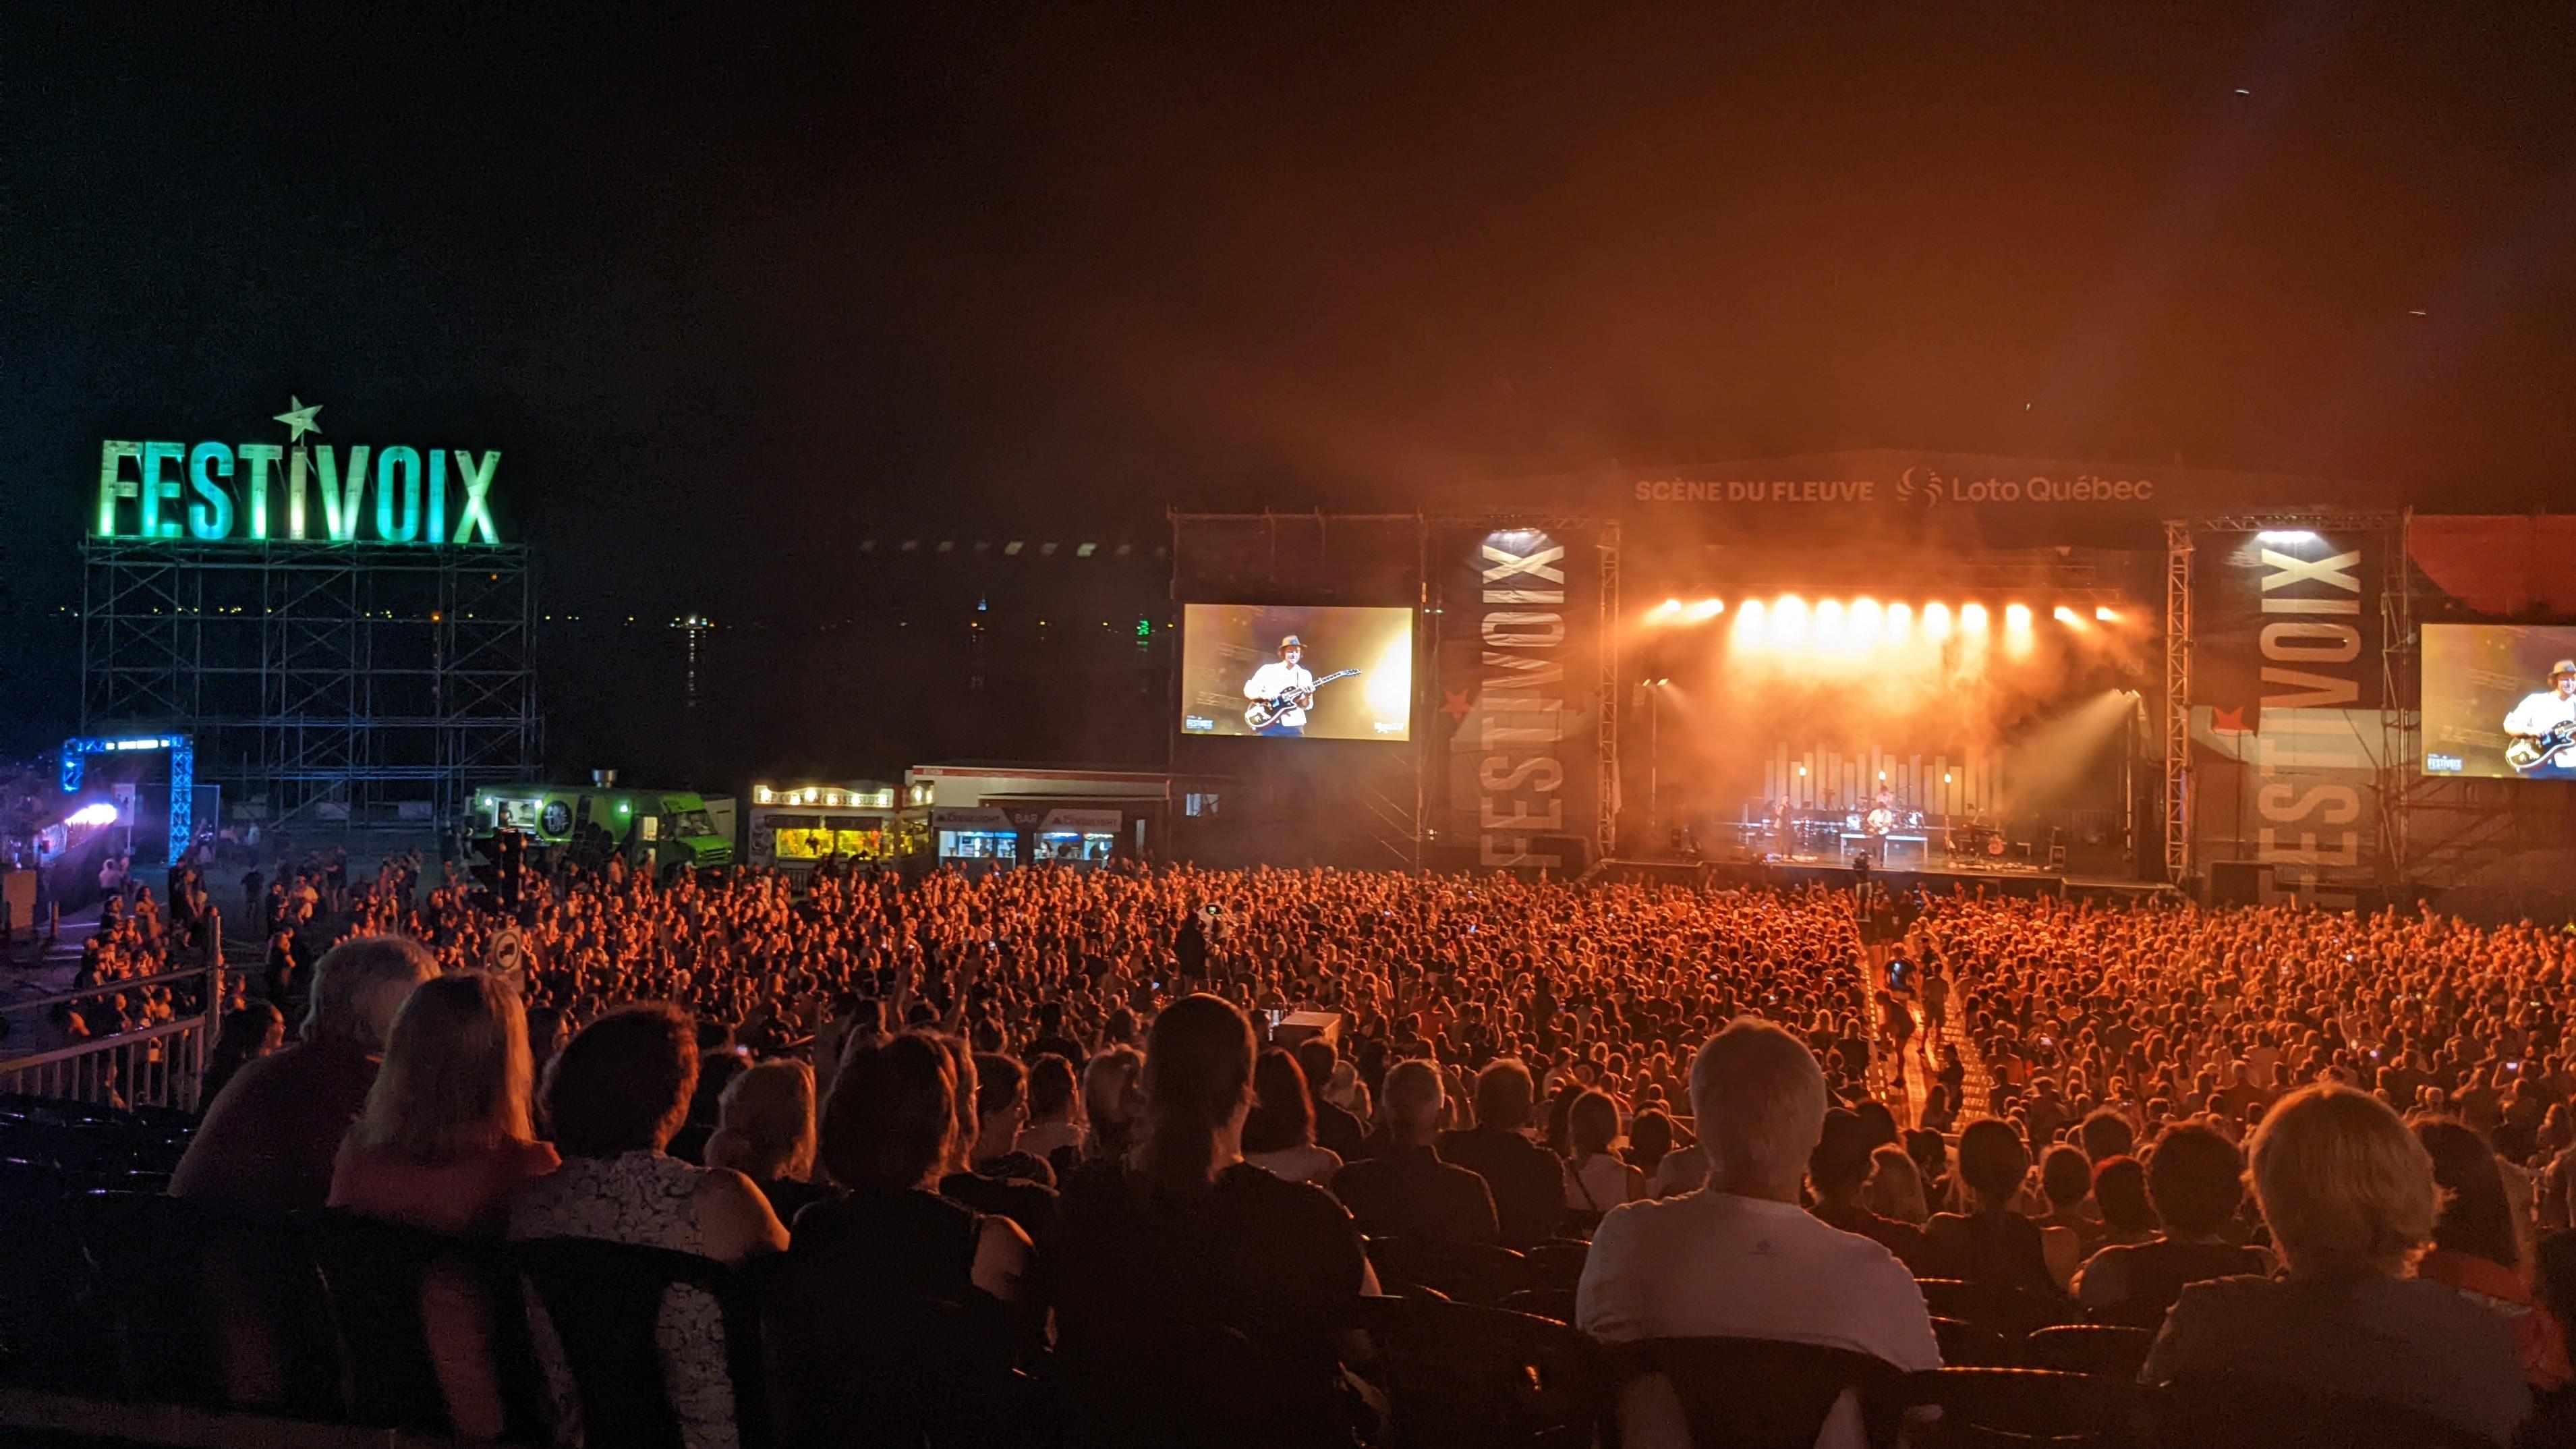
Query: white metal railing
(157,1066)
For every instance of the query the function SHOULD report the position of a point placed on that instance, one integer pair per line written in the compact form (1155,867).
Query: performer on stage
(1285,677)
(2543,726)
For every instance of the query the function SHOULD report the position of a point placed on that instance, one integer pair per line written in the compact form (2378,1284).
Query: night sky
(733,291)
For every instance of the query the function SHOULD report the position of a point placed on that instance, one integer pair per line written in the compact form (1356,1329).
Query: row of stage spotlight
(1790,621)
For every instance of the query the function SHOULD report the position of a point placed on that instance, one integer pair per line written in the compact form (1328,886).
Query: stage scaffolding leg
(1606,802)
(2178,554)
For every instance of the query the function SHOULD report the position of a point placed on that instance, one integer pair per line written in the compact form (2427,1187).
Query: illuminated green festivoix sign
(215,491)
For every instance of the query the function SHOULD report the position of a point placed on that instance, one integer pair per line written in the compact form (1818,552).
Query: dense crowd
(1044,1094)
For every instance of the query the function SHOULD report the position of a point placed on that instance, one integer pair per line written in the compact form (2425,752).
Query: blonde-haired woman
(765,1131)
(445,1138)
(2351,1200)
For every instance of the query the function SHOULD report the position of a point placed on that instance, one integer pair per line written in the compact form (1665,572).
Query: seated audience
(614,1097)
(1197,1298)
(1836,1171)
(2120,1190)
(1596,1178)
(269,1142)
(1989,1245)
(2072,1227)
(444,1140)
(1408,1190)
(2194,1185)
(1740,1259)
(889,1129)
(1895,1189)
(1113,1098)
(1650,1141)
(1337,1129)
(765,1131)
(1001,1110)
(992,1188)
(2478,1247)
(1526,1180)
(1279,1135)
(2349,1194)
(1052,1136)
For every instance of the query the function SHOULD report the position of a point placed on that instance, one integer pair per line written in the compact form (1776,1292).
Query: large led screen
(1296,672)
(2500,701)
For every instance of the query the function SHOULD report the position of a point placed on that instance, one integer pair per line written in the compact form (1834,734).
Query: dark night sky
(734,289)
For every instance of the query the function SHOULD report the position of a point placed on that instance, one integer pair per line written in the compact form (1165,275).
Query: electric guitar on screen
(2530,752)
(1263,711)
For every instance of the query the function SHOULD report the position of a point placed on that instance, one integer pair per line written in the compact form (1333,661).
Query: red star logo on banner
(2227,721)
(1456,703)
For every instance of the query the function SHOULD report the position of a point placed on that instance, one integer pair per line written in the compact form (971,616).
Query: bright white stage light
(1936,620)
(1866,621)
(1830,631)
(1898,624)
(2064,615)
(1789,621)
(2107,615)
(1972,618)
(2016,618)
(101,813)
(2287,535)
(1707,609)
(1665,610)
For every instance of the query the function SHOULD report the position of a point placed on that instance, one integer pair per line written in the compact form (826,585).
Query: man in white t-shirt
(1284,678)
(2545,710)
(1740,1258)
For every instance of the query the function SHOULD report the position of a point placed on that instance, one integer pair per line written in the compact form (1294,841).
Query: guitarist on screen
(2543,726)
(1286,686)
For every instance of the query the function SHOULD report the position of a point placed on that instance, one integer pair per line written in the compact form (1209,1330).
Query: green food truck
(659,828)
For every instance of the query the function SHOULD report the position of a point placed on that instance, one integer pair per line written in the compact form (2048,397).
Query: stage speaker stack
(2239,882)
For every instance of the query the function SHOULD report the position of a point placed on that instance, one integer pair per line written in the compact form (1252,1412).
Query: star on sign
(299,416)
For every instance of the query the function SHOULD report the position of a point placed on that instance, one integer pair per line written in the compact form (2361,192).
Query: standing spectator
(2194,1187)
(617,1093)
(250,1031)
(1527,1183)
(2350,1197)
(445,1139)
(1741,1259)
(765,1131)
(1161,1265)
(268,1143)
(2478,1247)
(1279,1135)
(1408,1190)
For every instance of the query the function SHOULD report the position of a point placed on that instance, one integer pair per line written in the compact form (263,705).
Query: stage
(2005,881)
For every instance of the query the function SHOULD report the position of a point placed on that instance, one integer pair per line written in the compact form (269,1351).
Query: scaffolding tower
(323,684)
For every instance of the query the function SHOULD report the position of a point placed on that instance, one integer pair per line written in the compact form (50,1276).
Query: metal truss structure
(355,683)
(2177,761)
(1613,688)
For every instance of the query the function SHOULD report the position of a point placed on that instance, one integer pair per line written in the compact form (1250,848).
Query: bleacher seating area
(112,1294)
